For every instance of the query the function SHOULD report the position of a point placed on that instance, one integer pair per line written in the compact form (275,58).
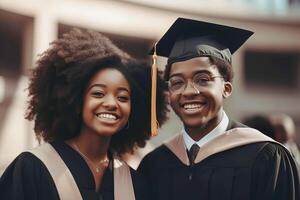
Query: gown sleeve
(27,178)
(275,175)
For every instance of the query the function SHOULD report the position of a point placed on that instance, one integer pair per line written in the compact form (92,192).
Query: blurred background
(267,67)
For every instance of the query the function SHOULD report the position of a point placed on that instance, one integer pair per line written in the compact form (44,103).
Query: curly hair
(140,117)
(58,83)
(224,68)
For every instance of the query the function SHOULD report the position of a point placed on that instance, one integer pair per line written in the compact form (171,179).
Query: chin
(195,122)
(107,131)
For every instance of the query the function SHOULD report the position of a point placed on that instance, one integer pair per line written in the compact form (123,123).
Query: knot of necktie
(193,152)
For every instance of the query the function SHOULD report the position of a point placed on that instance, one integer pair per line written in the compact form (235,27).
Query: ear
(227,89)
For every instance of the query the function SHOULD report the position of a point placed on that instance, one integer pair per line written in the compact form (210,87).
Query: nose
(190,90)
(110,102)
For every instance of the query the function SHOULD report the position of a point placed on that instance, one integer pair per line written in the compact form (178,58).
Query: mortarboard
(187,39)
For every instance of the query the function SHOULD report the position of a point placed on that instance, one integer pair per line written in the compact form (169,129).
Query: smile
(191,108)
(108,116)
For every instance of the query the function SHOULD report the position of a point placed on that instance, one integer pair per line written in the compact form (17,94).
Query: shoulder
(258,154)
(140,185)
(26,167)
(157,154)
(25,178)
(25,163)
(274,172)
(273,156)
(263,150)
(272,151)
(161,157)
(138,179)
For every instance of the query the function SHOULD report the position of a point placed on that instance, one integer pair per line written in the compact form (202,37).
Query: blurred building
(267,67)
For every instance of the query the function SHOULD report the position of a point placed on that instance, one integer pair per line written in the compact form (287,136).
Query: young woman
(90,103)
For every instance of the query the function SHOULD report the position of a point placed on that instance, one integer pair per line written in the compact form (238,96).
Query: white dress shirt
(220,129)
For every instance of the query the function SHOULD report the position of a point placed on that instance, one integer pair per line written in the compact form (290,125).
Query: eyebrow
(202,71)
(104,86)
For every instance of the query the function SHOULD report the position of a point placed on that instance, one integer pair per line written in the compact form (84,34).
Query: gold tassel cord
(154,126)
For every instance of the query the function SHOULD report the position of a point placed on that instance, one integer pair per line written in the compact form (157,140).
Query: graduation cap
(187,39)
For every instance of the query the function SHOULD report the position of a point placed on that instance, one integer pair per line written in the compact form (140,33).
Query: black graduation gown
(258,171)
(27,178)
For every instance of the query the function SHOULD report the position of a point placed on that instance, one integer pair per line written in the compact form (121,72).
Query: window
(272,69)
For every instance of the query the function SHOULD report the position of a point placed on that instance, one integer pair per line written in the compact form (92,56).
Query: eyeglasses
(177,84)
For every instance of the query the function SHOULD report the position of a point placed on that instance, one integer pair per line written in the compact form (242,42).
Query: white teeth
(107,116)
(191,106)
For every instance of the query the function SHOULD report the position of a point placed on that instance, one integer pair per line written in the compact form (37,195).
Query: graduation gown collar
(230,139)
(123,186)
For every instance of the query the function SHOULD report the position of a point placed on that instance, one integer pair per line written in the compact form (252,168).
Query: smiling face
(106,103)
(199,106)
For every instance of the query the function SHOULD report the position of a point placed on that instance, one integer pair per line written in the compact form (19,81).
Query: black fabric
(27,178)
(259,171)
(187,38)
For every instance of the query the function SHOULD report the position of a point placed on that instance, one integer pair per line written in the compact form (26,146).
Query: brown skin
(208,114)
(106,109)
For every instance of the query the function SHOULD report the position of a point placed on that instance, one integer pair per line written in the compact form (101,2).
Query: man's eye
(201,79)
(204,79)
(179,82)
(176,82)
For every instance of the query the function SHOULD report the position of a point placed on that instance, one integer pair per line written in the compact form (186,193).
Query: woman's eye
(98,94)
(123,98)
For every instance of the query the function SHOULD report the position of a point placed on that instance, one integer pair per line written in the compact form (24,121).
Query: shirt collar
(218,130)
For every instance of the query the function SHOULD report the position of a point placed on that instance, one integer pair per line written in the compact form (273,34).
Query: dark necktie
(193,152)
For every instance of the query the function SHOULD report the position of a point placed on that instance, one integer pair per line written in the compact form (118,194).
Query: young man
(213,157)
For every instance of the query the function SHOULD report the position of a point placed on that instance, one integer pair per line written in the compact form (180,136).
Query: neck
(95,147)
(197,133)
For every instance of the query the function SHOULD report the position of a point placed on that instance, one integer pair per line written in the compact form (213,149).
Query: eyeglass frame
(195,86)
